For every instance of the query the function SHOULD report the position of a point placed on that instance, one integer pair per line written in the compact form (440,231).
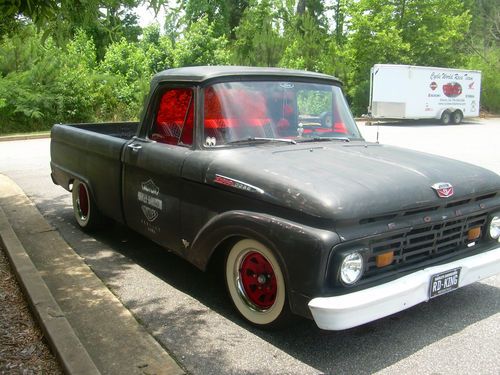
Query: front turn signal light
(385,259)
(474,233)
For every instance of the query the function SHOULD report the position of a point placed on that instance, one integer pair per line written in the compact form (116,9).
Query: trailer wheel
(256,285)
(86,213)
(446,117)
(457,117)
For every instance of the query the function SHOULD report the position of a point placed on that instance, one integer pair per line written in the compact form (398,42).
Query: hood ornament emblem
(443,189)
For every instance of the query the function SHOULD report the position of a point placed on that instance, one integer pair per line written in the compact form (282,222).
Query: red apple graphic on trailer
(452,89)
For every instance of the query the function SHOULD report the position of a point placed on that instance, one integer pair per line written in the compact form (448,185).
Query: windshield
(242,112)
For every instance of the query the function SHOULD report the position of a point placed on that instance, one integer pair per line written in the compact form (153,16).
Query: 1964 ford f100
(266,170)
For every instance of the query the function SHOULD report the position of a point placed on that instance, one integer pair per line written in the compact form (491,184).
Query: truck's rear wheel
(457,117)
(446,117)
(256,284)
(86,213)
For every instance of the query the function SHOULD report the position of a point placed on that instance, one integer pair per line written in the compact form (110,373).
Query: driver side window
(173,123)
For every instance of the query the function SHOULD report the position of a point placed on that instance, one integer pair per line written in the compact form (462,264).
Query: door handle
(135,147)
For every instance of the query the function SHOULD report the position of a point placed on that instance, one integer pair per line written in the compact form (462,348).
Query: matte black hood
(348,180)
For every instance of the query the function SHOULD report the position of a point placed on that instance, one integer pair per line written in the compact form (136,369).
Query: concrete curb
(65,344)
(23,137)
(89,328)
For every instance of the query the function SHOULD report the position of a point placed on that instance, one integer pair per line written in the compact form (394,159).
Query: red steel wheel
(85,211)
(256,284)
(83,201)
(258,280)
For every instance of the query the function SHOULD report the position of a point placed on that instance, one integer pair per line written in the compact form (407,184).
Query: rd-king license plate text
(444,282)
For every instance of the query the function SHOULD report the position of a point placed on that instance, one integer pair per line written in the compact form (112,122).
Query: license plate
(444,282)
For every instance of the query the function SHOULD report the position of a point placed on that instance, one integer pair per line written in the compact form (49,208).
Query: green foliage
(306,45)
(314,102)
(416,32)
(258,42)
(489,64)
(26,72)
(157,48)
(201,46)
(75,83)
(43,84)
(126,67)
(77,61)
(435,30)
(223,15)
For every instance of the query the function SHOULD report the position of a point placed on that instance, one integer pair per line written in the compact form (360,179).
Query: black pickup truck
(266,171)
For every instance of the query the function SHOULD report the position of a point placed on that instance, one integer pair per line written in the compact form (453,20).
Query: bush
(489,64)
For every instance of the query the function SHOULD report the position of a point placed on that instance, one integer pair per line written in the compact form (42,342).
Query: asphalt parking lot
(188,313)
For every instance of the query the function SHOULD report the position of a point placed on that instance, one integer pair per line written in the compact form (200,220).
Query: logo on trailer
(452,89)
(443,189)
(433,86)
(471,85)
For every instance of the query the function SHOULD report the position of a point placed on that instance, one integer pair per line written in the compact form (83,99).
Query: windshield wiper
(324,139)
(260,140)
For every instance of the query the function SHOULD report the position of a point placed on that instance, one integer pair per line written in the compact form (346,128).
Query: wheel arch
(87,183)
(224,230)
(66,179)
(302,251)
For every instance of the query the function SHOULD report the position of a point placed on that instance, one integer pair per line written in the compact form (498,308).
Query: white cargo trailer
(419,92)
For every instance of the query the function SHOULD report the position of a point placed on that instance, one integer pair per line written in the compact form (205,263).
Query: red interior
(232,108)
(170,127)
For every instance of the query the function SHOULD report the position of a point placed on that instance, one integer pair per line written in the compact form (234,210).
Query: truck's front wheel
(256,284)
(86,213)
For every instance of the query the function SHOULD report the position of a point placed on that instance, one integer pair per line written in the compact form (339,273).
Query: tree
(258,41)
(157,48)
(306,45)
(375,38)
(435,30)
(106,20)
(223,15)
(483,45)
(127,68)
(416,32)
(200,45)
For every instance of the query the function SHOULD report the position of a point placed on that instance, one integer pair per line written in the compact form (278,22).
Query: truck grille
(424,242)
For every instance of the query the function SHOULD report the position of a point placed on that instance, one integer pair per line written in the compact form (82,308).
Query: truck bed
(123,130)
(92,153)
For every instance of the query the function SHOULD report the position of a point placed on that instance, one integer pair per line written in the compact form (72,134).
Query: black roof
(203,73)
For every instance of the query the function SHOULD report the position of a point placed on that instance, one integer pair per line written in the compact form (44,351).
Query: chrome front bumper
(354,309)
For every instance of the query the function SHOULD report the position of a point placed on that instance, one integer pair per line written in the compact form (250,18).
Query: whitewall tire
(256,284)
(85,211)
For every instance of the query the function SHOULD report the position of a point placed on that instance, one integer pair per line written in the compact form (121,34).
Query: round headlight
(351,268)
(495,227)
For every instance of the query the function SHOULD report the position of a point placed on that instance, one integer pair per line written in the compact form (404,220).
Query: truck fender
(64,178)
(302,251)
